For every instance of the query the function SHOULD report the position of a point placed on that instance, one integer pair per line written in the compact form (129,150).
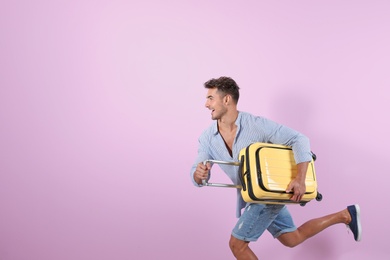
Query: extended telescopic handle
(224,185)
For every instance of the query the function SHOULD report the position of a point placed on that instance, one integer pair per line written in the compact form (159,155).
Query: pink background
(101,105)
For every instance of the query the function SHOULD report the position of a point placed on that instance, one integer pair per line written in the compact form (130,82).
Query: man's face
(214,102)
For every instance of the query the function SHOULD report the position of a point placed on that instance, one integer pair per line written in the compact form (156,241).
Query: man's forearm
(301,171)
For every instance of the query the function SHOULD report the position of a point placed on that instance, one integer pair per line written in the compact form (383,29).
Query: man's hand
(298,186)
(202,172)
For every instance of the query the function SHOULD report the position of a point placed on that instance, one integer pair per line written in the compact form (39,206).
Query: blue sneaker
(355,225)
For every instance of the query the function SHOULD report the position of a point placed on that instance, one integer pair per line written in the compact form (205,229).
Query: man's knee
(237,246)
(290,239)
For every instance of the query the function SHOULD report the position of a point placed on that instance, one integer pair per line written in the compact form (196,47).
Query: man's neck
(228,121)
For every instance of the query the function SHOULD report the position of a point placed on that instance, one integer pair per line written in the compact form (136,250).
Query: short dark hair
(226,85)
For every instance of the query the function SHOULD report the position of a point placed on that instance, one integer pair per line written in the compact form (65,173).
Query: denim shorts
(257,218)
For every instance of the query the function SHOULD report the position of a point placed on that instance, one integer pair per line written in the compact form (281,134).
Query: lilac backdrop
(101,105)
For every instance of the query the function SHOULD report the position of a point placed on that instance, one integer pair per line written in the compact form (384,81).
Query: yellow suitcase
(265,170)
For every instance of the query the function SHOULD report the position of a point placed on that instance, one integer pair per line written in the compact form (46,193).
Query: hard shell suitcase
(265,171)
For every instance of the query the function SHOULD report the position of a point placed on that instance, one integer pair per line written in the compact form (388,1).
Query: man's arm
(280,134)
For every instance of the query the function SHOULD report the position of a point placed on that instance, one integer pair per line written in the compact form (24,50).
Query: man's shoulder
(247,119)
(245,116)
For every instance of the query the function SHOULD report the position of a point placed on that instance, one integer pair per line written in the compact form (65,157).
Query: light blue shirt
(250,129)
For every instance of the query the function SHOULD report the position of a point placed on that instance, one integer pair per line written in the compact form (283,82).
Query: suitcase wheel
(319,196)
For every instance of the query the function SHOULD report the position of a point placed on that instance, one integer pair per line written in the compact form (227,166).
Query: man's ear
(227,99)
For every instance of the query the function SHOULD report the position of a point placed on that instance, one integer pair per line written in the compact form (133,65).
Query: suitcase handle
(206,183)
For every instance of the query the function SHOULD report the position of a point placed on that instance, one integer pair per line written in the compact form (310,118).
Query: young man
(234,130)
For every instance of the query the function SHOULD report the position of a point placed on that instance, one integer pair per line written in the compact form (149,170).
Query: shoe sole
(359,225)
